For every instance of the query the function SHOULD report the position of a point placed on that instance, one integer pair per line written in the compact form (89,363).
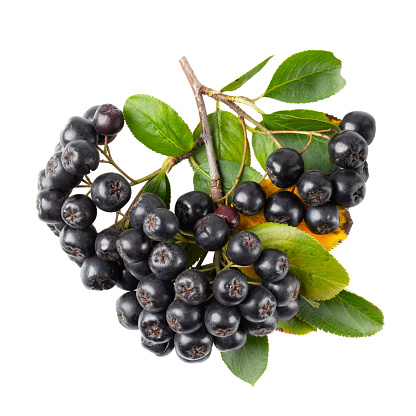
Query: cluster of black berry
(319,193)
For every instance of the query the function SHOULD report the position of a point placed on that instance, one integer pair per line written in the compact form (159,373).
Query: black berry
(360,122)
(80,157)
(232,342)
(287,312)
(128,310)
(58,176)
(167,260)
(79,211)
(348,149)
(139,270)
(133,245)
(142,206)
(43,182)
(126,280)
(49,204)
(89,115)
(105,244)
(183,317)
(78,243)
(249,198)
(230,215)
(161,224)
(98,274)
(362,170)
(192,286)
(260,329)
(221,320)
(154,294)
(108,120)
(272,265)
(259,304)
(57,227)
(324,219)
(160,350)
(244,248)
(211,232)
(285,291)
(284,207)
(194,346)
(284,167)
(78,128)
(230,287)
(348,188)
(154,327)
(314,187)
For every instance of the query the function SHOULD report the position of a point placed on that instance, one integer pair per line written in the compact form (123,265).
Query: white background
(63,351)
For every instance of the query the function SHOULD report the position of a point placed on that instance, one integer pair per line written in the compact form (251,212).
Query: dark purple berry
(57,227)
(128,310)
(78,128)
(360,122)
(348,188)
(160,350)
(108,120)
(259,304)
(105,244)
(49,204)
(79,211)
(80,157)
(272,265)
(232,342)
(154,327)
(284,207)
(183,317)
(244,248)
(139,270)
(58,176)
(285,291)
(154,294)
(284,167)
(314,188)
(98,274)
(249,198)
(221,320)
(142,206)
(348,149)
(260,329)
(133,245)
(167,260)
(126,280)
(78,243)
(194,346)
(161,224)
(362,170)
(211,232)
(192,286)
(287,312)
(79,261)
(89,115)
(324,219)
(230,287)
(230,215)
(43,182)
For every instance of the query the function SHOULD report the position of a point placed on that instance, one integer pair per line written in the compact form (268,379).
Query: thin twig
(201,260)
(307,144)
(110,159)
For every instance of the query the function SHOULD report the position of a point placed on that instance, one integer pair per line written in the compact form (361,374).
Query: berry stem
(263,178)
(111,160)
(307,144)
(201,260)
(217,261)
(146,178)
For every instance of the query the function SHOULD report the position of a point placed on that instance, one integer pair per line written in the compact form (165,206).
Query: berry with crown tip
(221,320)
(58,176)
(108,120)
(211,232)
(154,327)
(78,211)
(80,157)
(314,188)
(110,191)
(348,149)
(260,329)
(142,206)
(98,274)
(105,244)
(167,260)
(287,312)
(194,346)
(323,219)
(244,248)
(154,294)
(49,204)
(133,245)
(230,287)
(230,215)
(232,342)
(284,167)
(284,207)
(285,291)
(360,122)
(183,317)
(192,286)
(128,310)
(348,188)
(89,115)
(78,128)
(249,198)
(272,265)
(161,224)
(57,227)
(160,350)
(191,207)
(126,280)
(259,304)
(78,243)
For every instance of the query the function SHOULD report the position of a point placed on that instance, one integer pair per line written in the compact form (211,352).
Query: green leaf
(249,362)
(306,77)
(193,251)
(346,315)
(321,276)
(239,82)
(157,125)
(228,171)
(161,187)
(228,138)
(295,326)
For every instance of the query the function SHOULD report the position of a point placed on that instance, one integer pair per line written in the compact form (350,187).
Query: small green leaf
(228,138)
(321,276)
(157,125)
(249,362)
(193,251)
(228,171)
(161,187)
(306,77)
(239,82)
(295,326)
(346,315)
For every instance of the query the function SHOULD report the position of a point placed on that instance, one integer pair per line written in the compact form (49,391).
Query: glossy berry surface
(284,207)
(56,228)
(244,248)
(161,224)
(221,320)
(232,342)
(285,291)
(183,317)
(249,198)
(289,311)
(79,211)
(259,304)
(49,204)
(128,310)
(80,157)
(348,188)
(191,207)
(194,346)
(314,188)
(230,287)
(126,280)
(211,232)
(78,243)
(160,350)
(108,120)
(154,294)
(154,327)
(43,182)
(260,329)
(105,244)
(142,206)
(360,122)
(192,286)
(78,128)
(230,215)
(362,170)
(58,176)
(284,167)
(89,115)
(324,219)
(133,245)
(139,270)
(98,274)
(348,149)
(272,265)
(110,192)
(167,260)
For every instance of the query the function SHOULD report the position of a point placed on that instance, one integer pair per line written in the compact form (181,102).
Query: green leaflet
(228,138)
(321,276)
(249,362)
(157,125)
(161,187)
(193,251)
(239,82)
(306,77)
(346,314)
(296,326)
